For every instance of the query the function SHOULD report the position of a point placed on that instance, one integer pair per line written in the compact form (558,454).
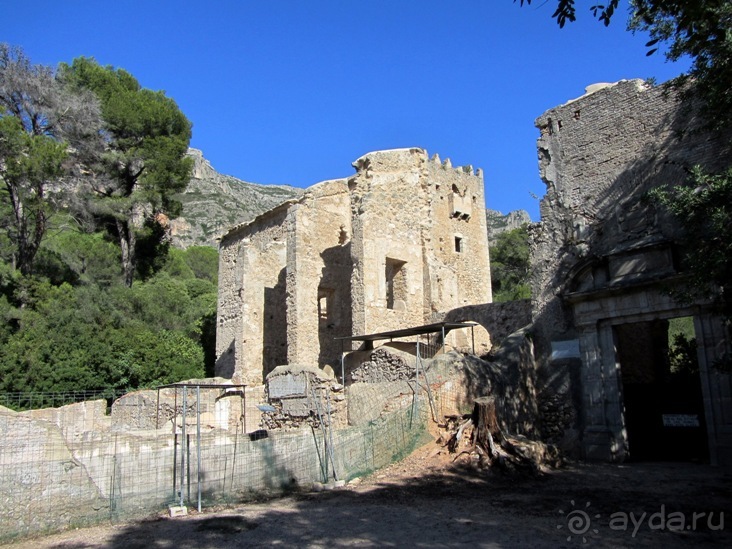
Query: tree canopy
(89,161)
(703,206)
(510,265)
(566,11)
(41,126)
(144,164)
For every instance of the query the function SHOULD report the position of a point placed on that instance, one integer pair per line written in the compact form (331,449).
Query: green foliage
(701,30)
(204,262)
(95,334)
(70,319)
(28,163)
(42,126)
(510,265)
(683,325)
(684,363)
(703,208)
(566,11)
(145,162)
(85,257)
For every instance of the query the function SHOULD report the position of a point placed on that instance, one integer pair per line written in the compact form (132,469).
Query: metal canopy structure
(443,327)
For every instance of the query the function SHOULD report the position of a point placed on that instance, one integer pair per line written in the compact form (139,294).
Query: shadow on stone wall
(226,362)
(614,213)
(274,325)
(499,319)
(597,222)
(336,279)
(507,373)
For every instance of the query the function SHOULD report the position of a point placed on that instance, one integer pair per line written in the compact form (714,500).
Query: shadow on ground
(582,505)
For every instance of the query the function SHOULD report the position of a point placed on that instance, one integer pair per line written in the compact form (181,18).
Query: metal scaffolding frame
(185,479)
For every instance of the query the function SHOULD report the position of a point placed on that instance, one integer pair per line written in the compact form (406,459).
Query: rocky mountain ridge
(213,203)
(499,223)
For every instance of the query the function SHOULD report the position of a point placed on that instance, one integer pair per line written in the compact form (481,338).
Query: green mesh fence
(69,467)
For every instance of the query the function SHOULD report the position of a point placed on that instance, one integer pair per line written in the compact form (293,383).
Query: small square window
(459,244)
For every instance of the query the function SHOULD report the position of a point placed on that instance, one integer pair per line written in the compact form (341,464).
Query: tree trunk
(28,239)
(127,241)
(486,424)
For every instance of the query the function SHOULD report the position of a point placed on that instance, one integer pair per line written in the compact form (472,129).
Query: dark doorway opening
(662,398)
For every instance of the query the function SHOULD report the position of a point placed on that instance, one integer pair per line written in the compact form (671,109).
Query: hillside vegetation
(94,296)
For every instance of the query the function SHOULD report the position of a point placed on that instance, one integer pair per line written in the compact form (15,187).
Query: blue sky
(291,92)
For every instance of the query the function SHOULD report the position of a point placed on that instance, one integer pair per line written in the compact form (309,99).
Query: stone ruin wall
(496,321)
(389,213)
(456,246)
(302,397)
(414,210)
(598,156)
(601,254)
(318,275)
(388,248)
(252,298)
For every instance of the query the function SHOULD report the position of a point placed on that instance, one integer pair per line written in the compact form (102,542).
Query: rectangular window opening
(459,244)
(325,297)
(396,284)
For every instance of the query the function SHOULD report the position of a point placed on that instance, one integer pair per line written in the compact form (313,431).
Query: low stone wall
(303,396)
(50,482)
(74,465)
(559,403)
(369,401)
(499,319)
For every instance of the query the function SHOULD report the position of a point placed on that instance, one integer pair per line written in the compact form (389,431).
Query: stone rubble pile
(300,396)
(384,365)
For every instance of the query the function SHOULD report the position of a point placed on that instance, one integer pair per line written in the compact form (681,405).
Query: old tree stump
(485,426)
(488,441)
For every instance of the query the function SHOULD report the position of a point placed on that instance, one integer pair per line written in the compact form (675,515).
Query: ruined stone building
(604,260)
(399,244)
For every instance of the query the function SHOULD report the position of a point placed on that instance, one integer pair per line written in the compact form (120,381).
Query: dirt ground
(428,501)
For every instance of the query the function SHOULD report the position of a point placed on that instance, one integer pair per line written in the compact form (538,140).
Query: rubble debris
(301,396)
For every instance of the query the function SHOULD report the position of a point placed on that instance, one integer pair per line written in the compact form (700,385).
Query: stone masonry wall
(318,275)
(428,216)
(250,337)
(64,468)
(386,249)
(389,211)
(499,320)
(598,156)
(456,243)
(603,256)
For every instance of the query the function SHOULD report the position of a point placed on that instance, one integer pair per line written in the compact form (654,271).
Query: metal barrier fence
(68,467)
(48,399)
